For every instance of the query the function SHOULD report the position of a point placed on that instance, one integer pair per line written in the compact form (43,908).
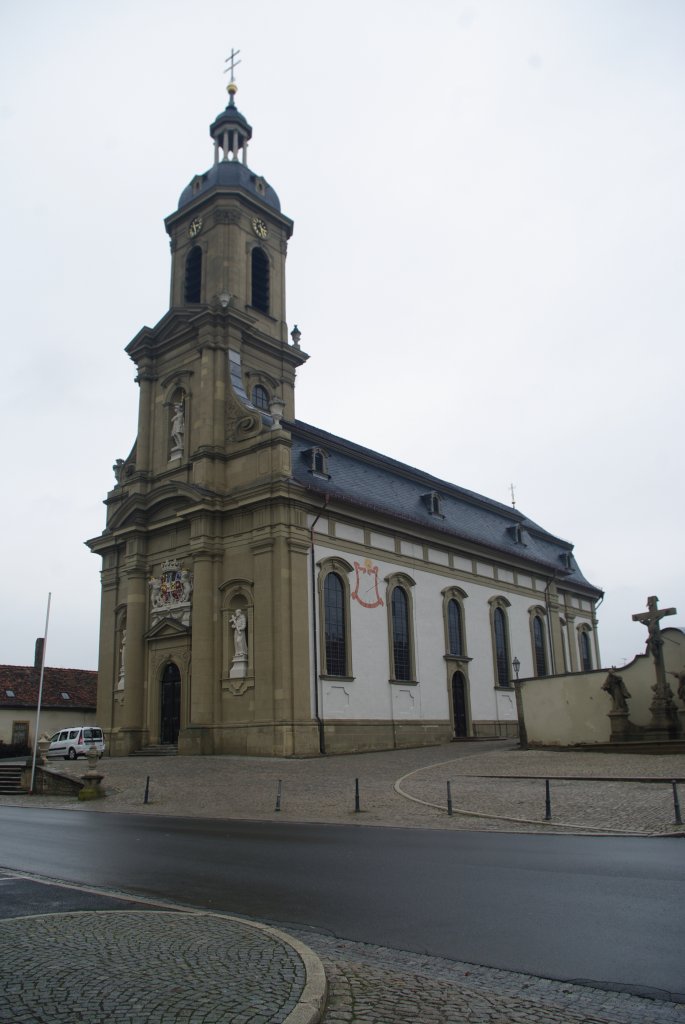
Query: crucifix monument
(663,709)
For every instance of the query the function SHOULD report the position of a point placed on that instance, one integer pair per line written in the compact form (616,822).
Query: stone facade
(229,509)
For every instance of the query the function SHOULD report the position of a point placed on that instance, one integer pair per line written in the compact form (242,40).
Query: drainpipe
(319,719)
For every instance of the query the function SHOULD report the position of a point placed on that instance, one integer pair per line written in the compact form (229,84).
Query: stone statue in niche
(177,429)
(239,624)
(617,690)
(122,659)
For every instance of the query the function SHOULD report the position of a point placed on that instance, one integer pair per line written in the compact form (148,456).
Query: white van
(76,742)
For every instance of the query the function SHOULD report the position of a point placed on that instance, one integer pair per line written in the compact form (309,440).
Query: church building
(269,588)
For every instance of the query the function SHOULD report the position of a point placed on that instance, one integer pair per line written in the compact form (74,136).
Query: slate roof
(228,174)
(366,479)
(23,682)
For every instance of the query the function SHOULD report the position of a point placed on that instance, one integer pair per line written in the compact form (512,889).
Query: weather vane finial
(232,88)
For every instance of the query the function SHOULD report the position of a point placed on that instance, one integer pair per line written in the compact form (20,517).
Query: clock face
(259,227)
(195,227)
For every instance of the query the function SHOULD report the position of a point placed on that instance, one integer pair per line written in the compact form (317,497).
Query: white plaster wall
(370,695)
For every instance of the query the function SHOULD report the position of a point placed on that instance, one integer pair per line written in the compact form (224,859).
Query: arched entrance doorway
(461,724)
(170,718)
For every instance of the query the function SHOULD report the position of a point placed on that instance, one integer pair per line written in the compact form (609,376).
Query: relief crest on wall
(170,593)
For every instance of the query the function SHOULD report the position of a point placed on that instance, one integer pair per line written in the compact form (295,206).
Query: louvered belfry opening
(260,280)
(193,282)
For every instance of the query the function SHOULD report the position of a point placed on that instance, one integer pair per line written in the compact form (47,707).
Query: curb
(576,828)
(311,1003)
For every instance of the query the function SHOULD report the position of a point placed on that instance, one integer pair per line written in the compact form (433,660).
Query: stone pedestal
(664,723)
(621,726)
(238,667)
(92,779)
(43,747)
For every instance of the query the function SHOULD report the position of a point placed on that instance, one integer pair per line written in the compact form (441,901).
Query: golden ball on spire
(231,88)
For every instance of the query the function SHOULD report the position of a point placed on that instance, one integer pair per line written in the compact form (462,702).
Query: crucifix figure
(663,709)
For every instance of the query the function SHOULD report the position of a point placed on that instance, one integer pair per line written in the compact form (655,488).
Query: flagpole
(40,695)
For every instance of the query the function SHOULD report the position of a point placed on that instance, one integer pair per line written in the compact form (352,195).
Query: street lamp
(516,665)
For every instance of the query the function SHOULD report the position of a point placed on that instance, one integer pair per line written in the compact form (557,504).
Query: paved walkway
(225,969)
(494,785)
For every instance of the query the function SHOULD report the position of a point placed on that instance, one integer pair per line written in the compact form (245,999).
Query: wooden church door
(171,704)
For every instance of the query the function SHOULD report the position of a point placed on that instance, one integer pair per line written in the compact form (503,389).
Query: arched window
(260,397)
(401,647)
(260,280)
(193,281)
(455,631)
(539,646)
(499,625)
(334,625)
(585,652)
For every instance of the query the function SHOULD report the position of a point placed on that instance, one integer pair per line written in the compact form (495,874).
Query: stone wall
(573,709)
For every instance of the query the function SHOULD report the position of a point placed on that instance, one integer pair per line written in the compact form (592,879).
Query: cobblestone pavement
(152,967)
(372,985)
(495,786)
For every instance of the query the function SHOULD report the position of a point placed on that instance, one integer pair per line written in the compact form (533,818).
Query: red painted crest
(366,585)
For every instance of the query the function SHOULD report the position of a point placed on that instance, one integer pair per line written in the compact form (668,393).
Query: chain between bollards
(449,798)
(548,802)
(357,808)
(676,804)
(147,790)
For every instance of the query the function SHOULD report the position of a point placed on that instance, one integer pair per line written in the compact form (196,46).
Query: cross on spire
(233,63)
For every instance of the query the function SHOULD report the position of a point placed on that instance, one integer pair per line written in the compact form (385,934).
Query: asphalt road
(605,911)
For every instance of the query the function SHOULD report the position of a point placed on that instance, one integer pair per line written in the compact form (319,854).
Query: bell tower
(205,527)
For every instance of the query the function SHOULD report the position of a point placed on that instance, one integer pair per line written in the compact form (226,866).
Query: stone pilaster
(133,710)
(204,676)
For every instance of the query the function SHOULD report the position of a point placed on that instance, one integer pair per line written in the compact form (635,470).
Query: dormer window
(260,397)
(318,462)
(566,560)
(433,503)
(517,533)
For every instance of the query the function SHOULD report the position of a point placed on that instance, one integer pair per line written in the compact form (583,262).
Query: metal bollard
(357,808)
(147,790)
(676,804)
(548,802)
(278,797)
(449,798)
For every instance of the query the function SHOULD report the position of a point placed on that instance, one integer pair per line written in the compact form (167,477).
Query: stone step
(156,750)
(10,778)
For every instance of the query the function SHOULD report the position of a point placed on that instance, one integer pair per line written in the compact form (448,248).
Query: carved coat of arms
(170,592)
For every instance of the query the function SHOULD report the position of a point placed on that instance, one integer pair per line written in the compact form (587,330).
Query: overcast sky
(487,265)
